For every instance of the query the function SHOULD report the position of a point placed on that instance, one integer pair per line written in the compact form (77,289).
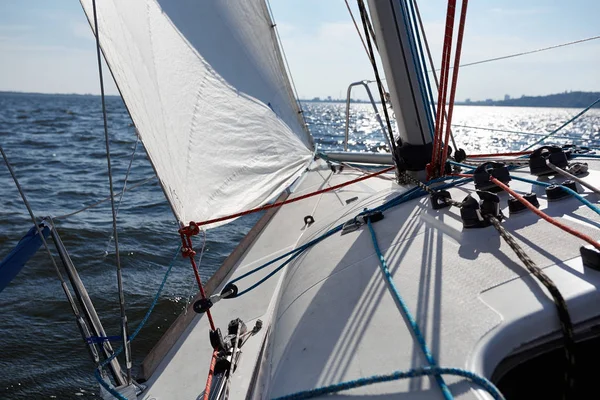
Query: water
(56,146)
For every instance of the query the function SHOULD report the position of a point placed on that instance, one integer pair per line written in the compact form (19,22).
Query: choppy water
(56,146)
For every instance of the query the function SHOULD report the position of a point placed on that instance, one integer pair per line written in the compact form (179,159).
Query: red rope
(464,175)
(433,168)
(545,216)
(305,196)
(188,251)
(193,228)
(211,373)
(459,40)
(539,213)
(518,153)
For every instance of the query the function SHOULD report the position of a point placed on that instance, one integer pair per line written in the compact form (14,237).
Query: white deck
(330,316)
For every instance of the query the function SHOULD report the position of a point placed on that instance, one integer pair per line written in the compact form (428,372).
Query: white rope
(573,177)
(357,29)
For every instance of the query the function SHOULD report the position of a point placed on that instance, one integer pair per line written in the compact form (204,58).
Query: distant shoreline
(559,100)
(25,94)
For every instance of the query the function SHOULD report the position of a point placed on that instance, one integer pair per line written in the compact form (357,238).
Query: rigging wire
(364,18)
(287,65)
(39,232)
(104,200)
(554,132)
(357,28)
(81,323)
(498,130)
(529,52)
(97,372)
(124,329)
(372,33)
(124,187)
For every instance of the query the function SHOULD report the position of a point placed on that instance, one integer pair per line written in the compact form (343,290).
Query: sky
(47,46)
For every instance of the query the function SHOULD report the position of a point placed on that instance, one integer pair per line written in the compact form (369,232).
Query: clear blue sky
(46,46)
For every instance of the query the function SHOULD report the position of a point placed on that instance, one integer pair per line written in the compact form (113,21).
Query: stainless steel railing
(365,84)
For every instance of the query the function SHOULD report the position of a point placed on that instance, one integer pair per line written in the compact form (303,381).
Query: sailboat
(418,273)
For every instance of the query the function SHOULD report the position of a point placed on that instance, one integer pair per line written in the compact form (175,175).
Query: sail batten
(205,85)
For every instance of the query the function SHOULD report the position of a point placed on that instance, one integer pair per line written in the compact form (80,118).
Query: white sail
(206,88)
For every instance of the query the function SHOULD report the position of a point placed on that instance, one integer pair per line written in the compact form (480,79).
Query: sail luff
(214,111)
(160,182)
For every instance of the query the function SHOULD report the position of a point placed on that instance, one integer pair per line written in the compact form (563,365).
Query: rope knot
(191,230)
(188,252)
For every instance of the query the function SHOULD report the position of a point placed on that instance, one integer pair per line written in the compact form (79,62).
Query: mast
(403,75)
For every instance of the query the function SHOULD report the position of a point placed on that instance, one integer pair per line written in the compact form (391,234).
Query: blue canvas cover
(16,259)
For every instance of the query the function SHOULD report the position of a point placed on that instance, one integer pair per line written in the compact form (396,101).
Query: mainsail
(206,87)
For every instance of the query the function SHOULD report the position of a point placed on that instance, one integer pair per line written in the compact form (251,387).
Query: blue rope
(394,376)
(408,23)
(292,254)
(573,193)
(411,320)
(554,132)
(418,192)
(431,109)
(586,156)
(101,339)
(99,378)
